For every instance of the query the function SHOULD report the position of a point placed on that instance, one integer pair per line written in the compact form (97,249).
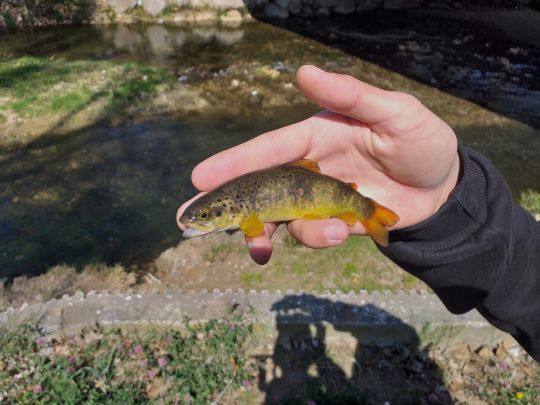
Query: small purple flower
(71,370)
(139,349)
(503,364)
(188,398)
(40,341)
(37,389)
(143,363)
(152,374)
(72,359)
(247,384)
(433,397)
(168,339)
(162,362)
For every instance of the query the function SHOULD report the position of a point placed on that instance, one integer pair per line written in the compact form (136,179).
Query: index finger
(273,148)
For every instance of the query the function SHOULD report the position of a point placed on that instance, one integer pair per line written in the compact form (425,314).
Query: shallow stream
(108,193)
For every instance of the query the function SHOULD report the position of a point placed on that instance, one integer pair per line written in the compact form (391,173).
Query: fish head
(206,215)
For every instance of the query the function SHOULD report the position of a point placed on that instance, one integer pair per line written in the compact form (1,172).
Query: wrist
(449,185)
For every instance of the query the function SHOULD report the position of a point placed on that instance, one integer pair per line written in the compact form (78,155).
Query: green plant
(200,362)
(530,200)
(9,21)
(249,278)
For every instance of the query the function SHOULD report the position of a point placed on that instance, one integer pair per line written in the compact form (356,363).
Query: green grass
(201,363)
(530,200)
(217,252)
(251,278)
(42,86)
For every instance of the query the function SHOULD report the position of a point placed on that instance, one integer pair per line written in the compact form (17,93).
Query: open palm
(396,150)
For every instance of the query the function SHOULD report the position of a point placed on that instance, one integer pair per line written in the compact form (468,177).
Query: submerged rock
(399,4)
(272,10)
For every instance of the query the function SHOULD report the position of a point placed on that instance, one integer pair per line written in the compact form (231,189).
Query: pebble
(485,352)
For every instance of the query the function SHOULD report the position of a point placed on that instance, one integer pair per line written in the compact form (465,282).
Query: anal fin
(349,218)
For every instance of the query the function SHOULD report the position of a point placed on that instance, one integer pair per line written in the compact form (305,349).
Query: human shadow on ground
(477,57)
(383,358)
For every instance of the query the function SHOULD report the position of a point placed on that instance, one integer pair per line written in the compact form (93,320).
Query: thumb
(346,95)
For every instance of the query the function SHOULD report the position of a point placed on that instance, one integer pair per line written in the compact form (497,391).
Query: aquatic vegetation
(40,86)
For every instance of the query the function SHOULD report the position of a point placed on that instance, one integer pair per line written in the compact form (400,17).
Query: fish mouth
(192,232)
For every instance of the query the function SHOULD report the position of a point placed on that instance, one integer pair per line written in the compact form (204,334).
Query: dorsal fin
(306,164)
(353,185)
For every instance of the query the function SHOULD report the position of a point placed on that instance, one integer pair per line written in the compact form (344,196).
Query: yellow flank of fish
(294,191)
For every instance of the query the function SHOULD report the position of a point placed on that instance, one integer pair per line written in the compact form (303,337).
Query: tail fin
(375,225)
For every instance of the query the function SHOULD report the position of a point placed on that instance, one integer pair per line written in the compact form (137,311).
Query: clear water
(109,194)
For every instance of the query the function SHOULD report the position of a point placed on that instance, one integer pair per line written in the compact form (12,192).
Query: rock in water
(272,10)
(346,7)
(154,7)
(121,4)
(399,4)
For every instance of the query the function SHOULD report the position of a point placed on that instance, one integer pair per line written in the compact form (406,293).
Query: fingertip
(260,247)
(309,70)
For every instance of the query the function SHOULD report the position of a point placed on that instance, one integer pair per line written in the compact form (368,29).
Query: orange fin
(353,185)
(385,215)
(306,164)
(349,218)
(252,226)
(375,225)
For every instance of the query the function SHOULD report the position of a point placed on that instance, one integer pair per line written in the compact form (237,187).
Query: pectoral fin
(252,226)
(306,164)
(349,218)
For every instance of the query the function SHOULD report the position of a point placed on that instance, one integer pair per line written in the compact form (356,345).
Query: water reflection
(165,45)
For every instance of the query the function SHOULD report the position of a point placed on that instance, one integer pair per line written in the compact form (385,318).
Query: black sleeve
(481,250)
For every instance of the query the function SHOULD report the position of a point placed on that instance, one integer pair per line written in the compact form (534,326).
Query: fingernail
(334,234)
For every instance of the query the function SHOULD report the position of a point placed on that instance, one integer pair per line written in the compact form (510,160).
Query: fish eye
(204,213)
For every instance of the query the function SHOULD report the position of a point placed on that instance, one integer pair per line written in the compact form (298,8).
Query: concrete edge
(342,318)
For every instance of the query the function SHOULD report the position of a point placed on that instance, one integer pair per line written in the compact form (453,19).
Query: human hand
(396,150)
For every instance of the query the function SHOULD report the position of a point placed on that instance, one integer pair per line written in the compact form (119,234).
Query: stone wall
(14,13)
(286,8)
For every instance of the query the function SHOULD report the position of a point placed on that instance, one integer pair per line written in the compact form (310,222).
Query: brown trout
(293,191)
